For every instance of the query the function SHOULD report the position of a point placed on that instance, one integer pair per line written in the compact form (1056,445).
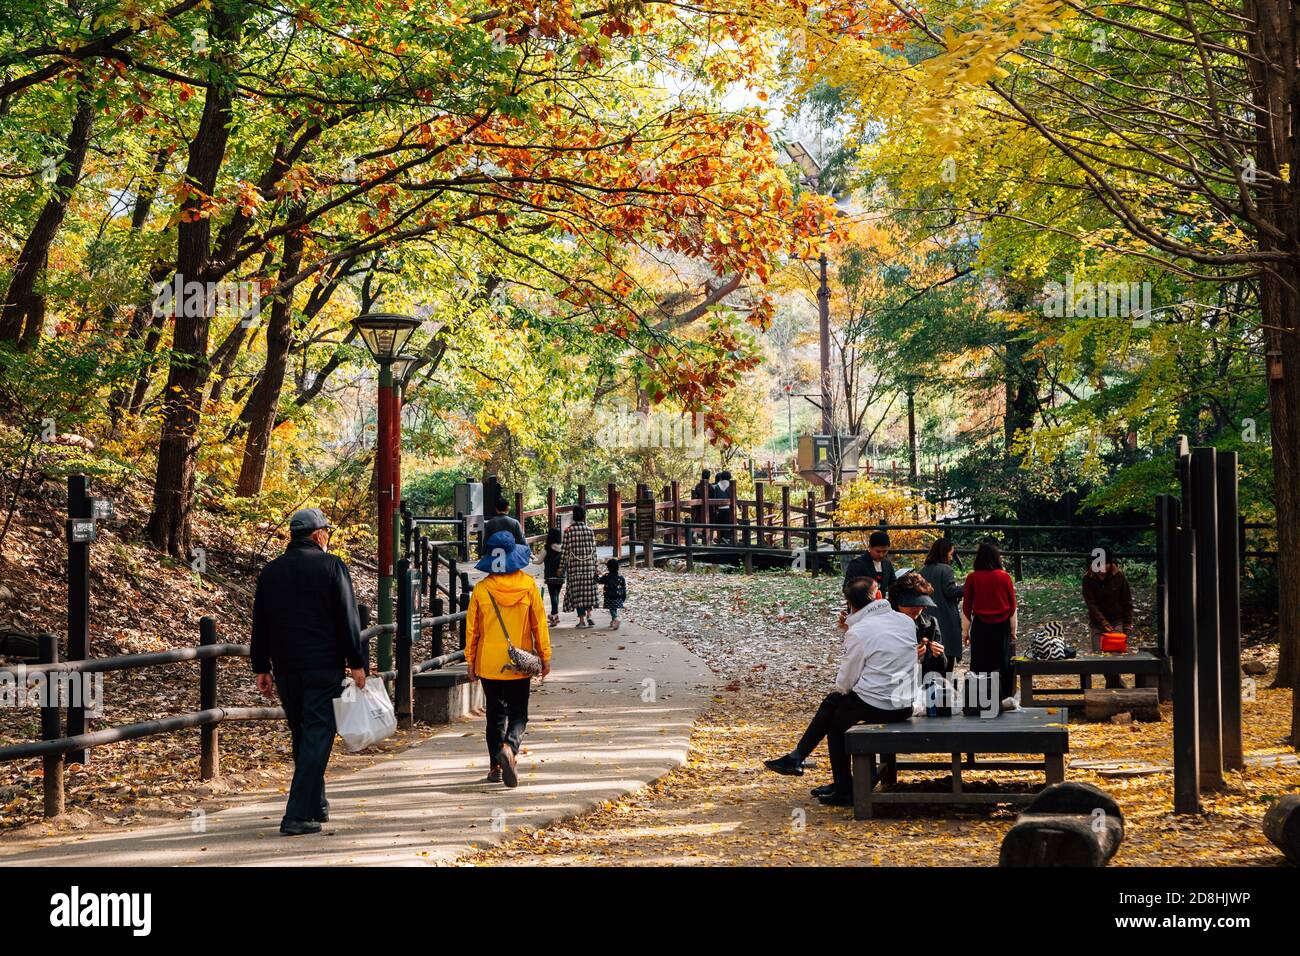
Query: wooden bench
(1030,731)
(1143,665)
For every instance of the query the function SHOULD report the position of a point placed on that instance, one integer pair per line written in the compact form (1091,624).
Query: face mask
(724,484)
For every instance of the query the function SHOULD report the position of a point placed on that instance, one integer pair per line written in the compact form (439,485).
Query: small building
(829,459)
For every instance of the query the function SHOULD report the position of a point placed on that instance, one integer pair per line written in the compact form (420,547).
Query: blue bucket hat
(502,555)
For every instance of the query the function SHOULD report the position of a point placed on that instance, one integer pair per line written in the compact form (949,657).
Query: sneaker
(786,765)
(823,791)
(494,775)
(614,624)
(507,758)
(298,827)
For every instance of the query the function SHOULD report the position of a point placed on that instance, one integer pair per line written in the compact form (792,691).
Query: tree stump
(1282,826)
(1102,704)
(1067,824)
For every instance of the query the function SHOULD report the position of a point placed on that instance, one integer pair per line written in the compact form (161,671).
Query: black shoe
(836,799)
(825,791)
(494,775)
(507,760)
(786,765)
(324,815)
(298,827)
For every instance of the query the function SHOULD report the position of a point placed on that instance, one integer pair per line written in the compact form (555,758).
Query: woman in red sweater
(988,620)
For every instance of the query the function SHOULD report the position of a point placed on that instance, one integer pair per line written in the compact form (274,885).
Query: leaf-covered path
(769,640)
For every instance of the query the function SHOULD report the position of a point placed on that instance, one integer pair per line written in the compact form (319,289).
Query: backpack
(1048,645)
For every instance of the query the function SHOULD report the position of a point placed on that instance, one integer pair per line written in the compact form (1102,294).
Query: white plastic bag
(364,717)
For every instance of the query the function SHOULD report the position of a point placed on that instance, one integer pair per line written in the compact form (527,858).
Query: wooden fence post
(748,557)
(810,539)
(615,523)
(785,516)
(51,729)
(582,495)
(550,507)
(1205,524)
(675,493)
(689,544)
(758,508)
(209,734)
(1229,596)
(519,512)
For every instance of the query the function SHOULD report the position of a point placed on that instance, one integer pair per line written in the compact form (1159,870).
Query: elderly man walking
(306,639)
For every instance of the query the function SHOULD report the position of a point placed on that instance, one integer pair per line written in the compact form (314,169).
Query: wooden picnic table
(1143,665)
(1035,730)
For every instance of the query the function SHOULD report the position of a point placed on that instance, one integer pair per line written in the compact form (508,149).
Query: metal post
(1229,594)
(464,605)
(79,507)
(52,773)
(1183,647)
(385,481)
(1205,523)
(437,609)
(209,734)
(408,614)
(824,328)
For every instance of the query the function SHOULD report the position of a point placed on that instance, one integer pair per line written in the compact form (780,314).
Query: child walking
(552,562)
(615,587)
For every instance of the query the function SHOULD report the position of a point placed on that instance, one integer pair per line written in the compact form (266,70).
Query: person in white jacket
(876,682)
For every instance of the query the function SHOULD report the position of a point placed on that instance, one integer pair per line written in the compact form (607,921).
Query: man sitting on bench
(875,683)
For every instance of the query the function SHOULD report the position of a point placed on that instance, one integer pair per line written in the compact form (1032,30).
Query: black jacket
(305,613)
(863,567)
(501,523)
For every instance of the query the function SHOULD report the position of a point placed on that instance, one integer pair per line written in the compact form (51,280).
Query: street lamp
(385,335)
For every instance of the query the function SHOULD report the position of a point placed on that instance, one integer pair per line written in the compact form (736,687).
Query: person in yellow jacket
(508,597)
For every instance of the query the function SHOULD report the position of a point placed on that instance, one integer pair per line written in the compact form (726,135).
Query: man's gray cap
(307,520)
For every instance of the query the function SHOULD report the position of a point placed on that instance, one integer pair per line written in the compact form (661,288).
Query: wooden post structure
(758,509)
(1229,597)
(1209,687)
(615,522)
(689,543)
(52,770)
(675,491)
(747,544)
(810,541)
(582,495)
(209,734)
(550,508)
(785,516)
(703,488)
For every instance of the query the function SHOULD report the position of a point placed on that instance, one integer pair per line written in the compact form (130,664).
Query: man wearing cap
(875,682)
(306,639)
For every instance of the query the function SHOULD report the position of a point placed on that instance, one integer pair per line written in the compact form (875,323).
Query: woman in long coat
(579,568)
(947,597)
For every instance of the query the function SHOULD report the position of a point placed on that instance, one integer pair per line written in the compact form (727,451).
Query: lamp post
(385,335)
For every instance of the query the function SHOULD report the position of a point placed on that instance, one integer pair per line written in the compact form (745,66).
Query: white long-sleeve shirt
(879,659)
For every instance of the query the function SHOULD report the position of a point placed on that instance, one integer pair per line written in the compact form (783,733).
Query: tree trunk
(265,400)
(23,312)
(173,494)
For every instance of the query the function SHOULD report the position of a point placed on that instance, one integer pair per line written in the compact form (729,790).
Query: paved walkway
(615,713)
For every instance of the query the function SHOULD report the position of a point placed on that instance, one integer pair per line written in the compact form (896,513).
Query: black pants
(1112,680)
(507,713)
(990,653)
(553,587)
(836,714)
(308,699)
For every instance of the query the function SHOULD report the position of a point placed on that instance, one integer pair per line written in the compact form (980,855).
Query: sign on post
(646,515)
